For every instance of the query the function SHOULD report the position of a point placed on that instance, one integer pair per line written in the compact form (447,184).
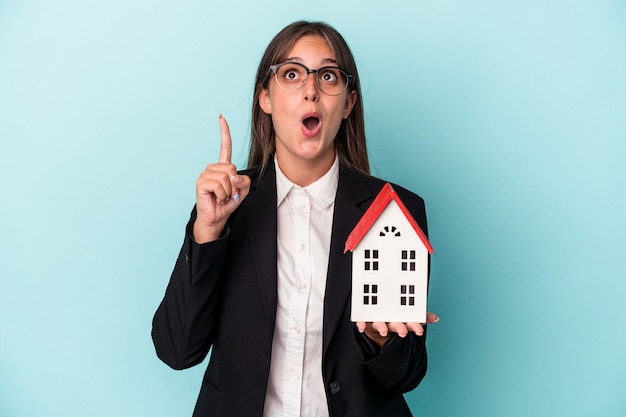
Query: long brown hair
(350,140)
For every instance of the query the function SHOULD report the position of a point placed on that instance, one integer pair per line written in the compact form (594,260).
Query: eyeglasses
(292,76)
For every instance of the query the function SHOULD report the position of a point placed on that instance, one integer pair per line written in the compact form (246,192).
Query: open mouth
(311,122)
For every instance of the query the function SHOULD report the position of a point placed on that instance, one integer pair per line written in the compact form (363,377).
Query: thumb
(240,187)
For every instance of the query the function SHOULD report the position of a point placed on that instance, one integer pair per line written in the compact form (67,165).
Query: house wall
(506,116)
(389,275)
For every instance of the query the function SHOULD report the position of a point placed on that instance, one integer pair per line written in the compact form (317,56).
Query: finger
(431,318)
(399,328)
(381,328)
(242,183)
(416,328)
(206,186)
(240,186)
(220,174)
(226,145)
(360,325)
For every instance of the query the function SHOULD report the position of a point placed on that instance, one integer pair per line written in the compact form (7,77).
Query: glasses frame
(274,68)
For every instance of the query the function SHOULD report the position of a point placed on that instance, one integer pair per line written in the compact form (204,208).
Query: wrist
(206,234)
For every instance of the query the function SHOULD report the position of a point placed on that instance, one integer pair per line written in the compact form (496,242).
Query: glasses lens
(291,76)
(332,80)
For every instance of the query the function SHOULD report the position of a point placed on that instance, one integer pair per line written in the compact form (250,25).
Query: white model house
(389,263)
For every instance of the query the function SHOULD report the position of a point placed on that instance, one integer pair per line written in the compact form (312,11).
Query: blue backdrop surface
(507,117)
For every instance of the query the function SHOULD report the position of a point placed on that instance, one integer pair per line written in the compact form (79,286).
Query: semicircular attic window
(390,231)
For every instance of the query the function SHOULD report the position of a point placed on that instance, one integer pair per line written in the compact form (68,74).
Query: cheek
(338,113)
(283,106)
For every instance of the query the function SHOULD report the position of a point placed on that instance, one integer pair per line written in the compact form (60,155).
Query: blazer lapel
(353,197)
(354,194)
(261,220)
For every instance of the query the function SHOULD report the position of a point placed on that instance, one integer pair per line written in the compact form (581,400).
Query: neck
(304,173)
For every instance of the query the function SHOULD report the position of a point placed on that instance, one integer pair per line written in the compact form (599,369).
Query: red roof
(379,204)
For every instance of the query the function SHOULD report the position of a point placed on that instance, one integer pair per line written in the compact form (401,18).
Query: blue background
(508,117)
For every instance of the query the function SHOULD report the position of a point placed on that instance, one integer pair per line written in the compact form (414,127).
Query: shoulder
(375,185)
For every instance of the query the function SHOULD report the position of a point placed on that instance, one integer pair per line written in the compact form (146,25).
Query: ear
(264,101)
(350,101)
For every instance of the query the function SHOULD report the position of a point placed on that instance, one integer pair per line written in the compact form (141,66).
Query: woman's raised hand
(219,190)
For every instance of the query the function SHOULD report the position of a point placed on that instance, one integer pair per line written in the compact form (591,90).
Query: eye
(291,73)
(329,75)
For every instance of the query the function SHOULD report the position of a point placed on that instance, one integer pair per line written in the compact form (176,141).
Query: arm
(183,325)
(399,365)
(397,361)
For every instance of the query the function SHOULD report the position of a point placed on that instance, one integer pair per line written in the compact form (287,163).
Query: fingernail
(236,197)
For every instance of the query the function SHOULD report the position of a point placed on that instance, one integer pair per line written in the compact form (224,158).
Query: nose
(311,89)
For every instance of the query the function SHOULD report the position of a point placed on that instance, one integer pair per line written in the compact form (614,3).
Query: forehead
(314,48)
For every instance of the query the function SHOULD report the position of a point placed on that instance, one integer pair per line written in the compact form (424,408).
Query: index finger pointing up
(226,146)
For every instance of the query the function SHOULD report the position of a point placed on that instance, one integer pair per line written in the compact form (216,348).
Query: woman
(261,278)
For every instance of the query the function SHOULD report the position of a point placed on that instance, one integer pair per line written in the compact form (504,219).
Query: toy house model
(389,263)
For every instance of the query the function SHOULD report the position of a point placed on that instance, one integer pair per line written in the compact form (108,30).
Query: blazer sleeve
(400,365)
(184,323)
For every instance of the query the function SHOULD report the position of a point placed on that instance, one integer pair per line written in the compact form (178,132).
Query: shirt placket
(299,299)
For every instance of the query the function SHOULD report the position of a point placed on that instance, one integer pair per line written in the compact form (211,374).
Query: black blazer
(222,295)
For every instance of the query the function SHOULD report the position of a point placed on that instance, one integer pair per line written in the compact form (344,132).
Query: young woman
(261,279)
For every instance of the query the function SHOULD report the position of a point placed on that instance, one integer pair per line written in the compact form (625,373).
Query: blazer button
(335,386)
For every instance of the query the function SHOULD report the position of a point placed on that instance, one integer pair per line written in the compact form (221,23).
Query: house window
(408,260)
(391,231)
(371,259)
(370,294)
(407,295)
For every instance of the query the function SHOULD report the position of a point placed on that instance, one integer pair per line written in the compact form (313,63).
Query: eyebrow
(324,61)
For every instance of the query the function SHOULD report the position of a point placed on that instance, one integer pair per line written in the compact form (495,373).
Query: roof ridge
(382,200)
